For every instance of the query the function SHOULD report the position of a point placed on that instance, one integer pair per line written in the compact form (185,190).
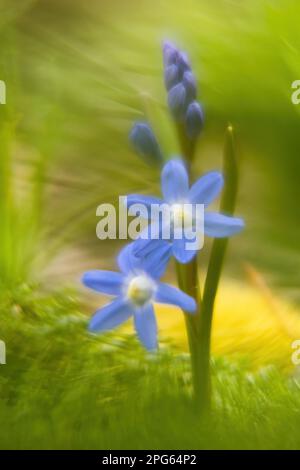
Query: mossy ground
(63,388)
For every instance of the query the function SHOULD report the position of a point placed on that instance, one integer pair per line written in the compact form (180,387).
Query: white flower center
(140,289)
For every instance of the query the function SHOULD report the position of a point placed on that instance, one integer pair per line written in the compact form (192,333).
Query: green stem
(198,326)
(214,270)
(188,281)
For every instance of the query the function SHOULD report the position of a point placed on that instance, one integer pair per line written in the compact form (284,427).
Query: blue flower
(136,287)
(145,143)
(176,193)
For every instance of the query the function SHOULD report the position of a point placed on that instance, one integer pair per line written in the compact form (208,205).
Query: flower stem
(198,326)
(188,281)
(228,201)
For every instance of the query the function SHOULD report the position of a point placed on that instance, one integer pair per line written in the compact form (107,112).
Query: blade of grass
(230,172)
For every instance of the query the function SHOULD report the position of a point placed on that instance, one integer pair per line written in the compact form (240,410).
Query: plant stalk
(199,326)
(230,172)
(188,281)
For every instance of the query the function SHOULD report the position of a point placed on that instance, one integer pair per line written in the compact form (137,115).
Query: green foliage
(65,388)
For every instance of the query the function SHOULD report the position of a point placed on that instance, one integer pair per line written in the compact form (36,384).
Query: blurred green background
(78,74)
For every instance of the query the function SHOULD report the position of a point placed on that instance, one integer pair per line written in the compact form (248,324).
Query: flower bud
(190,85)
(183,61)
(170,53)
(177,100)
(171,76)
(194,119)
(145,143)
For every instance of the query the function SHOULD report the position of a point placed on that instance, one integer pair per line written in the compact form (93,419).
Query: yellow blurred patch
(248,321)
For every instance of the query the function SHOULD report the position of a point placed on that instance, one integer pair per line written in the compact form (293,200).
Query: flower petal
(174,181)
(207,188)
(156,260)
(143,248)
(146,326)
(154,256)
(171,295)
(148,241)
(180,252)
(111,315)
(147,201)
(127,259)
(151,235)
(220,225)
(108,282)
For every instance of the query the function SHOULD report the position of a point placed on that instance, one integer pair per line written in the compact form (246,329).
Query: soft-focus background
(78,74)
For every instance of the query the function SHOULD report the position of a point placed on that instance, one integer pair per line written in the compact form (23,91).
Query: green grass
(64,388)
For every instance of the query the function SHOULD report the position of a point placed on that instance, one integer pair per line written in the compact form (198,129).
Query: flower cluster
(181,86)
(143,262)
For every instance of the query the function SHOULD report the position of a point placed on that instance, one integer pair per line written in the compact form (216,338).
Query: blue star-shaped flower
(136,287)
(177,193)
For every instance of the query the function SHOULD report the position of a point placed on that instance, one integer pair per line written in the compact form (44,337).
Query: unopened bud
(177,100)
(145,143)
(194,119)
